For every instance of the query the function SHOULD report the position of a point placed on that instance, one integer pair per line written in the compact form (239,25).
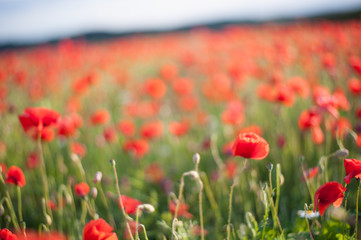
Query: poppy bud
(93,192)
(2,210)
(48,219)
(148,208)
(98,177)
(196,158)
(342,153)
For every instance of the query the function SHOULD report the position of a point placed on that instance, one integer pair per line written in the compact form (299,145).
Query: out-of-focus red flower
(227,149)
(68,125)
(182,86)
(100,116)
(341,126)
(182,210)
(138,147)
(329,193)
(233,114)
(310,173)
(250,145)
(169,71)
(340,100)
(188,103)
(251,128)
(152,129)
(33,160)
(133,226)
(154,173)
(354,85)
(353,169)
(5,234)
(78,148)
(284,94)
(281,140)
(37,122)
(178,128)
(33,235)
(329,60)
(355,63)
(126,127)
(300,86)
(309,119)
(98,230)
(155,88)
(358,140)
(81,189)
(15,176)
(3,167)
(317,135)
(231,168)
(110,134)
(197,231)
(130,204)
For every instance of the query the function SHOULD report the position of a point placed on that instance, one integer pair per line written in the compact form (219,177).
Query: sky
(36,21)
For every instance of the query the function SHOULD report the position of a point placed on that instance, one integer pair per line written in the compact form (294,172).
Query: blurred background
(37,21)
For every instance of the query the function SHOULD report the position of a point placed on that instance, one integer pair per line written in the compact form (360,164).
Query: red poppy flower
(130,204)
(182,210)
(98,230)
(183,86)
(34,235)
(137,147)
(152,129)
(33,160)
(78,149)
(155,88)
(37,122)
(329,193)
(250,145)
(178,128)
(81,189)
(154,173)
(309,119)
(310,173)
(169,71)
(110,134)
(100,117)
(126,127)
(67,126)
(317,135)
(354,85)
(300,86)
(353,169)
(133,226)
(5,234)
(231,168)
(233,114)
(15,176)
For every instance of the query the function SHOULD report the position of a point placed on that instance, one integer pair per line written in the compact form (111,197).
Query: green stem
(145,232)
(83,211)
(20,212)
(43,174)
(7,199)
(343,225)
(230,209)
(308,223)
(136,223)
(357,195)
(104,199)
(120,200)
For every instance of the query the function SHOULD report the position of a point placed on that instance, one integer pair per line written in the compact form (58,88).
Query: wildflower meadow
(243,132)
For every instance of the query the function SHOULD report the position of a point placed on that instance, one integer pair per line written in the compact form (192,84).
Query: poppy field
(244,132)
